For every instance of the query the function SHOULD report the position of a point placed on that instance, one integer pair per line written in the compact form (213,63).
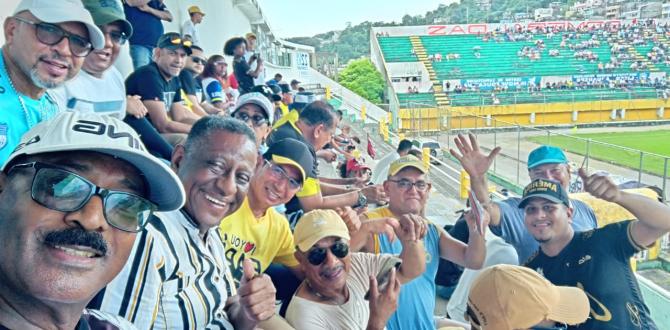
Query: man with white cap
(46,42)
(75,192)
(507,297)
(256,110)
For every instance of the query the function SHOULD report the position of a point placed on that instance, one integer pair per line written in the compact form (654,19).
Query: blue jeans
(141,55)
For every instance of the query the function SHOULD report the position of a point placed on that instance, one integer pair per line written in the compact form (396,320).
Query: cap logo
(95,128)
(319,222)
(540,185)
(32,140)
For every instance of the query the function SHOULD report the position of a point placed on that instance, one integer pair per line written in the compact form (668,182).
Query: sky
(300,18)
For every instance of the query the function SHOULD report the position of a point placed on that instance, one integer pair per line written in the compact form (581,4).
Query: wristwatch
(362,200)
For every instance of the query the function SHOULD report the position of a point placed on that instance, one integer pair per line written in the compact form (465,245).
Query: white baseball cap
(77,131)
(259,100)
(60,11)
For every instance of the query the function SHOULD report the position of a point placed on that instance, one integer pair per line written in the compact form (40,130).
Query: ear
(386,186)
(570,212)
(177,157)
(260,161)
(9,26)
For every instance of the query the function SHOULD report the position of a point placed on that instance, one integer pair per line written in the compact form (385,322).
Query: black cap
(267,91)
(291,152)
(285,88)
(547,189)
(174,40)
(294,81)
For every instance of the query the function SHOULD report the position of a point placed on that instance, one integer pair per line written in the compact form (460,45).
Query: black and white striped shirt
(173,279)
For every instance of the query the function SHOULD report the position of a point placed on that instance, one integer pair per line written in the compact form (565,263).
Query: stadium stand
(397,49)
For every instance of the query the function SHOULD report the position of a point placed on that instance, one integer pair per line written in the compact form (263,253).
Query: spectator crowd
(189,196)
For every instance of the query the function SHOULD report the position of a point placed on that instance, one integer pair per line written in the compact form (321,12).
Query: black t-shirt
(148,83)
(286,131)
(598,261)
(241,70)
(187,81)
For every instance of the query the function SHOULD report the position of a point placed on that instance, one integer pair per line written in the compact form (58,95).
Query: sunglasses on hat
(317,255)
(61,190)
(179,41)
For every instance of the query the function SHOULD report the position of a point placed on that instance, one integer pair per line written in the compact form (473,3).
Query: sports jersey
(213,90)
(597,261)
(263,240)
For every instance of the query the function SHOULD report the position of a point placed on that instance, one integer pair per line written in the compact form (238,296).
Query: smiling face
(170,61)
(193,66)
(551,171)
(215,176)
(546,220)
(270,188)
(40,259)
(99,60)
(404,201)
(330,277)
(45,66)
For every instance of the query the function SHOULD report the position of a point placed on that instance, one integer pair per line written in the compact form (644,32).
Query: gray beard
(37,81)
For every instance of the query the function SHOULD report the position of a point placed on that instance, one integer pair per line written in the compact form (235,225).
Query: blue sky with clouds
(296,18)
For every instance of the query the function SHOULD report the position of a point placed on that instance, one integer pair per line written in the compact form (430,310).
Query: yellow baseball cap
(506,297)
(317,224)
(195,10)
(404,162)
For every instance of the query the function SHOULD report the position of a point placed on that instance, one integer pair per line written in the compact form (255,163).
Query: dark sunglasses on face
(317,255)
(198,60)
(50,34)
(256,120)
(117,37)
(279,174)
(64,191)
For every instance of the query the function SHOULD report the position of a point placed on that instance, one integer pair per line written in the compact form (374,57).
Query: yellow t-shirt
(291,117)
(264,240)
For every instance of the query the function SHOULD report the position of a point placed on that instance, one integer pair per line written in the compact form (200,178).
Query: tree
(362,78)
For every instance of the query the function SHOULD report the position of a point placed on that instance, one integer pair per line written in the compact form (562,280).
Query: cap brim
(572,308)
(66,14)
(547,161)
(288,161)
(307,244)
(268,112)
(548,197)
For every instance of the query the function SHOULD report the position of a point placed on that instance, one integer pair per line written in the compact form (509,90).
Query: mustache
(77,236)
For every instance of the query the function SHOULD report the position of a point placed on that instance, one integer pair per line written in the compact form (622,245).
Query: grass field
(653,141)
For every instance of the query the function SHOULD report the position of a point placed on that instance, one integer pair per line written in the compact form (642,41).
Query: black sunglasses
(117,37)
(256,120)
(64,191)
(317,255)
(50,34)
(198,60)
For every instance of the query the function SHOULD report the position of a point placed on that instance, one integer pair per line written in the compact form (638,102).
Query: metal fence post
(518,153)
(665,176)
(495,143)
(639,173)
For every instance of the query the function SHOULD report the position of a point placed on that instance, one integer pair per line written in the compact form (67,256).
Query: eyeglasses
(279,174)
(407,184)
(64,191)
(256,120)
(50,34)
(117,37)
(317,255)
(198,60)
(220,63)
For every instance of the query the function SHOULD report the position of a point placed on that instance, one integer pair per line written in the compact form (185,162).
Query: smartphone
(385,273)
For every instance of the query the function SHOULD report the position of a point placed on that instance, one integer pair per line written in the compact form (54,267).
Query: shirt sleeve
(241,67)
(146,86)
(135,292)
(286,243)
(617,236)
(214,91)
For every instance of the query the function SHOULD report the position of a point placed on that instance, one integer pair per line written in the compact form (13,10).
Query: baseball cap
(317,224)
(74,130)
(546,155)
(60,11)
(174,40)
(285,88)
(259,100)
(291,152)
(250,35)
(355,165)
(294,81)
(506,297)
(108,11)
(268,91)
(195,10)
(405,162)
(547,189)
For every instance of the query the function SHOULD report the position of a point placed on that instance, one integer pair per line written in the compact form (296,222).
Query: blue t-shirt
(13,122)
(416,302)
(147,28)
(513,229)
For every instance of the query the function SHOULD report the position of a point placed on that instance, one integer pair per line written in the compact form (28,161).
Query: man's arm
(259,69)
(163,14)
(338,181)
(652,215)
(476,163)
(182,114)
(360,240)
(471,255)
(411,231)
(255,299)
(161,121)
(195,106)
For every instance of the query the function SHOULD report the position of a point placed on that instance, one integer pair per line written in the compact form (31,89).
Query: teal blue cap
(546,155)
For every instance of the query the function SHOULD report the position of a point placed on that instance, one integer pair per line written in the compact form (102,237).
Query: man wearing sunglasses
(333,294)
(158,86)
(255,110)
(73,198)
(46,42)
(191,88)
(408,191)
(177,276)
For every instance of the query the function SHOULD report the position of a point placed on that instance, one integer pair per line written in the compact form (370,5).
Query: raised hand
(600,186)
(383,304)
(375,194)
(386,226)
(473,160)
(412,228)
(350,218)
(257,294)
